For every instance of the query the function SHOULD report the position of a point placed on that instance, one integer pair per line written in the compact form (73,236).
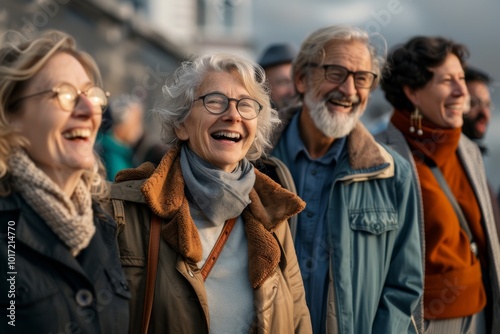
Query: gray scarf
(71,219)
(219,195)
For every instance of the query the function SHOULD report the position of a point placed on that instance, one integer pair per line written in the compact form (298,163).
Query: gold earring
(416,122)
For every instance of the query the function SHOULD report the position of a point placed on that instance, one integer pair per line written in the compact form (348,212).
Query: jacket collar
(270,207)
(367,158)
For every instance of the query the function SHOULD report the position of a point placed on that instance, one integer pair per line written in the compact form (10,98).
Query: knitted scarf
(71,219)
(220,195)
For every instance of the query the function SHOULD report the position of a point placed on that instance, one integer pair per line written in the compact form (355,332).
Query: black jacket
(43,289)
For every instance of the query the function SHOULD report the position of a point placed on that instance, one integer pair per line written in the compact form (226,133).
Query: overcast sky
(473,23)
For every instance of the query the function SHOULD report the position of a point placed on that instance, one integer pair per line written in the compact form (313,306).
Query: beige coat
(180,302)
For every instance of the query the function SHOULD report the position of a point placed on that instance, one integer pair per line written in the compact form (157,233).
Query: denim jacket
(376,270)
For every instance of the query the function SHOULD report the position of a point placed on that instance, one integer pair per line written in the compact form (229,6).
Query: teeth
(342,103)
(455,107)
(77,133)
(231,135)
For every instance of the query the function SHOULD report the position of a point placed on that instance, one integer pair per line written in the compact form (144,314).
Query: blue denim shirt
(313,179)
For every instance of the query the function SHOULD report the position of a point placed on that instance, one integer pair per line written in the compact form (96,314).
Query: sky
(473,23)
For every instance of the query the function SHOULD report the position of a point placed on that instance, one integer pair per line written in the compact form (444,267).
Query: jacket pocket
(373,221)
(133,261)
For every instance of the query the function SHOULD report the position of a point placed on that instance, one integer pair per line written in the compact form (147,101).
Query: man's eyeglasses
(475,102)
(217,103)
(68,96)
(338,74)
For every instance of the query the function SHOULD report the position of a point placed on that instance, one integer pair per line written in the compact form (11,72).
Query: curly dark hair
(408,65)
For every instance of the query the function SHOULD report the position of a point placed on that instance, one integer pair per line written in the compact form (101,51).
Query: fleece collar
(364,153)
(271,205)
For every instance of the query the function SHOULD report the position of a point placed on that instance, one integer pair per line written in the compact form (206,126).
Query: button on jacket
(376,268)
(54,291)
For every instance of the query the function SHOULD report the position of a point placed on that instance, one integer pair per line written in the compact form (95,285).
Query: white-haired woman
(225,259)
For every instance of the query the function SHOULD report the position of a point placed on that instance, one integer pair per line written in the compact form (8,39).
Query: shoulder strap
(118,213)
(461,217)
(153,251)
(217,249)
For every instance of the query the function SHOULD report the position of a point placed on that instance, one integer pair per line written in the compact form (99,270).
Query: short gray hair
(312,49)
(180,89)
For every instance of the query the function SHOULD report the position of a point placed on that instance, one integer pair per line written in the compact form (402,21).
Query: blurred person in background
(425,83)
(205,242)
(67,275)
(476,121)
(123,127)
(358,240)
(276,60)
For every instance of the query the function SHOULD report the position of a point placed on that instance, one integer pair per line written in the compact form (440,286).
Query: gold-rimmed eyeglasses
(68,96)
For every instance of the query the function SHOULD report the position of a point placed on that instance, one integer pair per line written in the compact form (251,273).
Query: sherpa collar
(363,150)
(271,205)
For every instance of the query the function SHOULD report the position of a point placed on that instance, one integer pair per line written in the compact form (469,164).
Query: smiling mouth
(455,107)
(345,104)
(77,134)
(222,135)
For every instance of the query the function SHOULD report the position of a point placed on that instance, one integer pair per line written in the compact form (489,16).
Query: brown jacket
(180,303)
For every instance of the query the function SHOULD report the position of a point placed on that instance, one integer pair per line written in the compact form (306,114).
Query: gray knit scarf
(71,219)
(220,195)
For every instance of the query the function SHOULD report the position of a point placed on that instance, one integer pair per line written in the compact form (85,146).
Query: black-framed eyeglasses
(218,103)
(476,102)
(68,96)
(338,74)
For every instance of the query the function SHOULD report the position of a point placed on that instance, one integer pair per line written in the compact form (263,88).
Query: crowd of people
(269,207)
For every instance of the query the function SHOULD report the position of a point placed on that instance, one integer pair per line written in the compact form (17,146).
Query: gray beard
(333,125)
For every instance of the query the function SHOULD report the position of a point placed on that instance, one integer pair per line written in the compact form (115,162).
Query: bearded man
(358,241)
(476,121)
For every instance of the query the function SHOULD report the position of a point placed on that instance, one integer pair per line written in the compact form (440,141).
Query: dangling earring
(416,122)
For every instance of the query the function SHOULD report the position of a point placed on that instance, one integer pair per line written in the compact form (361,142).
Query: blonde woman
(58,251)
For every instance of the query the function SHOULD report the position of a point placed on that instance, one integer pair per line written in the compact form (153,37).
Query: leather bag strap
(152,266)
(217,249)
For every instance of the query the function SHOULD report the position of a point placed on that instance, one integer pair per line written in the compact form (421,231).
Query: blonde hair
(20,60)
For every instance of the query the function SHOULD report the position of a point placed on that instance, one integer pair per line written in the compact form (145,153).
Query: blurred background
(138,43)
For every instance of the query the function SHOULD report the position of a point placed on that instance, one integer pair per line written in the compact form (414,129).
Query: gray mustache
(336,95)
